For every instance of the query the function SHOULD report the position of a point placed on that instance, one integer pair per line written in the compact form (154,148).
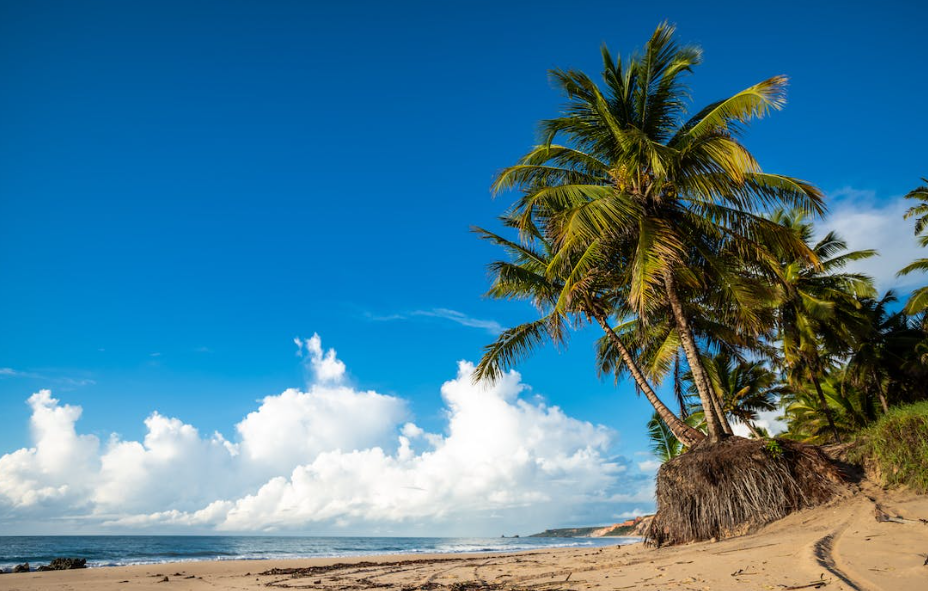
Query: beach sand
(846,545)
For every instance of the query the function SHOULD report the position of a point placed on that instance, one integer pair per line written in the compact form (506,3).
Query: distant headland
(630,527)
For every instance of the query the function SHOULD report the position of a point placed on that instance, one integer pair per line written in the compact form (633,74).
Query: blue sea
(122,550)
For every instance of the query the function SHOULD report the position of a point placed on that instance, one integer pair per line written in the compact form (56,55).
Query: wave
(103,552)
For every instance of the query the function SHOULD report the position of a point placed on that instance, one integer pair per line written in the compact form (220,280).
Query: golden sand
(868,540)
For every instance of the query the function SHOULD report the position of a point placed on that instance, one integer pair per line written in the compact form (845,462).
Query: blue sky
(187,186)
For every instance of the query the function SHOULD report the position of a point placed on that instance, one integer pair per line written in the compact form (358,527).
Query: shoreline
(413,553)
(838,546)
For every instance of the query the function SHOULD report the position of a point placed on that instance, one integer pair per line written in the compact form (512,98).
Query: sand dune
(869,539)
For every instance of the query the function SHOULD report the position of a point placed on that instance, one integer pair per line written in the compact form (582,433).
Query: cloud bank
(331,459)
(867,222)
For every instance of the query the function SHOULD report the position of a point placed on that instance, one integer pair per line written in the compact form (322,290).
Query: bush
(895,449)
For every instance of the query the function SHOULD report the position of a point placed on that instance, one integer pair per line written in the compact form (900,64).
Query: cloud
(865,222)
(771,420)
(649,465)
(294,427)
(325,366)
(491,326)
(57,468)
(636,512)
(9,372)
(331,459)
(500,452)
(642,493)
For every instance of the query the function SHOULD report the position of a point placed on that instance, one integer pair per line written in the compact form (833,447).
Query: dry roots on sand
(724,489)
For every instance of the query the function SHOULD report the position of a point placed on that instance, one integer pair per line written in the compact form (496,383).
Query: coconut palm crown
(918,300)
(626,185)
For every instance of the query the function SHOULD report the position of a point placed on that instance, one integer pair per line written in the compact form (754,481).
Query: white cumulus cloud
(331,459)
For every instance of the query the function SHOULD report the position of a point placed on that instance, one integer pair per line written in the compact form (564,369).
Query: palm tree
(918,300)
(744,387)
(524,277)
(820,310)
(663,443)
(638,191)
(849,410)
(882,349)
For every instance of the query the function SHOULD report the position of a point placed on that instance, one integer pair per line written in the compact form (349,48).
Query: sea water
(122,550)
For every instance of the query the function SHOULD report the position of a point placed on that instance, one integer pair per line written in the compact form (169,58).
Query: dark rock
(21,568)
(64,564)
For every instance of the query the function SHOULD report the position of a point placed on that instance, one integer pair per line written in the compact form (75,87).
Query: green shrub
(773,449)
(897,447)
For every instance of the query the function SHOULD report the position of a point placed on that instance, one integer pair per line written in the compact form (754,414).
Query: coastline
(842,546)
(134,550)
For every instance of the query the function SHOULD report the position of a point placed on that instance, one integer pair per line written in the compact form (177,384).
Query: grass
(896,447)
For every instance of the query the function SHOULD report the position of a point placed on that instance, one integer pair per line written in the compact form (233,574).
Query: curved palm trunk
(720,413)
(711,407)
(753,429)
(880,392)
(687,435)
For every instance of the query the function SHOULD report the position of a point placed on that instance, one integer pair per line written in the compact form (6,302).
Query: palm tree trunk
(710,405)
(720,413)
(879,390)
(687,435)
(753,429)
(826,408)
(678,385)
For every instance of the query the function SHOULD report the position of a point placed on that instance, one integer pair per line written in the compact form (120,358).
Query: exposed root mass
(719,490)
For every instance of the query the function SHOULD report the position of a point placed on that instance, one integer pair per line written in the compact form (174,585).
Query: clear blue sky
(186,186)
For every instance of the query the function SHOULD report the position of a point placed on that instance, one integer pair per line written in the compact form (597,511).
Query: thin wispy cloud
(491,326)
(9,372)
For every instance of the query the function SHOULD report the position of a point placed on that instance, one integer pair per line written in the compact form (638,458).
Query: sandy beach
(870,539)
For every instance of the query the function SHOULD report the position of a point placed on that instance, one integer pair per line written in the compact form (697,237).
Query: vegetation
(706,277)
(633,218)
(918,301)
(896,447)
(606,531)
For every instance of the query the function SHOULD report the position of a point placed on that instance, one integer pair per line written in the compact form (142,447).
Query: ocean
(123,550)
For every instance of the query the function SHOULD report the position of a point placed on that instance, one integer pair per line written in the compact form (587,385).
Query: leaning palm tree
(524,277)
(820,310)
(918,300)
(745,388)
(625,184)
